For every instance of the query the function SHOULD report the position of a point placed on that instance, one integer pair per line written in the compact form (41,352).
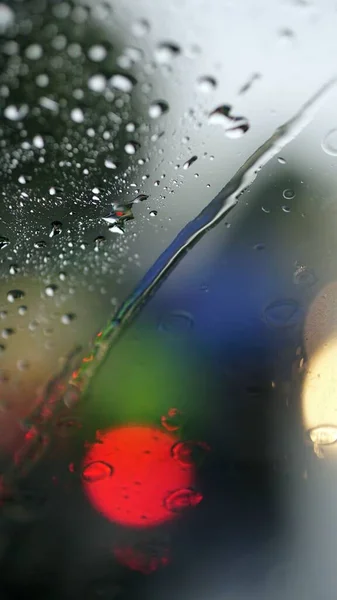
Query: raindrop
(281,160)
(190,162)
(116,229)
(50,290)
(140,198)
(122,83)
(22,365)
(16,113)
(7,332)
(77,115)
(4,242)
(288,194)
(190,453)
(153,213)
(329,143)
(206,84)
(3,314)
(286,208)
(111,164)
(42,80)
(7,17)
(131,147)
(14,269)
(304,276)
(97,83)
(259,247)
(34,52)
(56,228)
(166,51)
(283,313)
(38,141)
(97,53)
(96,471)
(173,420)
(140,28)
(2,348)
(234,126)
(177,323)
(15,295)
(180,500)
(99,241)
(40,244)
(68,318)
(22,310)
(158,108)
(323,435)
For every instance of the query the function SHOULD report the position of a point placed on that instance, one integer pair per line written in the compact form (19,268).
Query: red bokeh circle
(143,474)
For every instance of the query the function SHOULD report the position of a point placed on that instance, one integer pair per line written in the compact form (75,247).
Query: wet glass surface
(168,416)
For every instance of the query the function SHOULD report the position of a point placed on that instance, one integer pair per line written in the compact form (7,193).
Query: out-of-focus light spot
(144,473)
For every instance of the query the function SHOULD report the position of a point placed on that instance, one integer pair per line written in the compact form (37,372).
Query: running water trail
(212,214)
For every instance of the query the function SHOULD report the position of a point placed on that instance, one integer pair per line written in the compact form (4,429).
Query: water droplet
(286,208)
(131,147)
(38,141)
(2,348)
(16,113)
(15,295)
(177,323)
(7,17)
(40,244)
(97,53)
(4,242)
(56,228)
(3,314)
(50,290)
(288,194)
(7,332)
(99,241)
(153,213)
(122,83)
(173,420)
(190,453)
(281,160)
(77,115)
(140,198)
(180,500)
(323,435)
(116,229)
(329,143)
(68,318)
(140,28)
(14,269)
(166,51)
(111,164)
(234,126)
(283,313)
(22,310)
(304,276)
(190,162)
(158,108)
(259,247)
(206,84)
(97,83)
(96,471)
(34,52)
(22,365)
(42,80)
